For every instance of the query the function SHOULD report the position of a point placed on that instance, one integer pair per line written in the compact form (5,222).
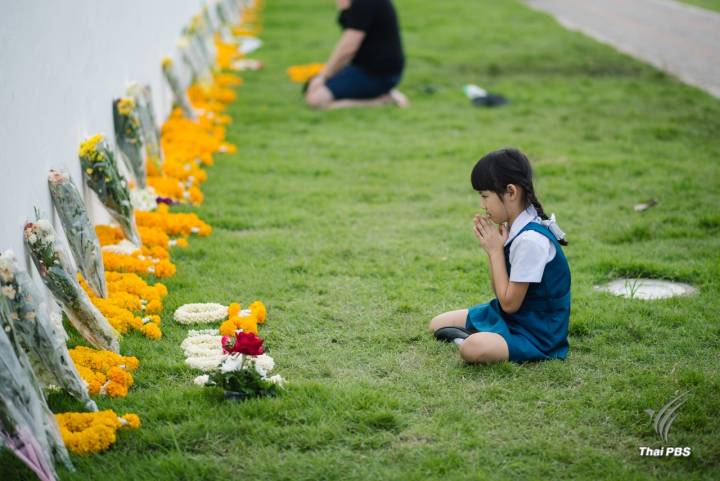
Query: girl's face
(342,4)
(494,206)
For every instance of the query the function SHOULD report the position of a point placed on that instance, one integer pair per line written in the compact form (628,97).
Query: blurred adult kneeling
(367,62)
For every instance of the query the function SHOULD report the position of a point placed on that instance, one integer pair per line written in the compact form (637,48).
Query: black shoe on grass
(449,334)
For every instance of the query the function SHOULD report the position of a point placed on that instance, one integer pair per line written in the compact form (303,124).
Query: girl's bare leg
(449,319)
(484,347)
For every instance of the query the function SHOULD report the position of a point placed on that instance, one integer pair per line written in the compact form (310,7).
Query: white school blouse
(530,251)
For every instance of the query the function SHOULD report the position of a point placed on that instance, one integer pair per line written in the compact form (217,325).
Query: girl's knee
(448,319)
(472,352)
(478,349)
(435,323)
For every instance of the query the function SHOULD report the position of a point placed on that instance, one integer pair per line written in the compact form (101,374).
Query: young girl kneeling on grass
(528,320)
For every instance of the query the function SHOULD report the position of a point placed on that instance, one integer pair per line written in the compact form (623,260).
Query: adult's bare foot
(399,99)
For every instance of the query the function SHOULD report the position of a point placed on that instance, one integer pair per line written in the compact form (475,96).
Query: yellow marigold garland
(180,224)
(138,263)
(119,309)
(87,433)
(302,73)
(104,372)
(151,296)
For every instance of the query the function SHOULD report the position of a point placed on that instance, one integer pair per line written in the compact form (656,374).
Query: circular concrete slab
(646,289)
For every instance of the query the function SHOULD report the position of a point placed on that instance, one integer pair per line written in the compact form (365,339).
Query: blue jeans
(352,82)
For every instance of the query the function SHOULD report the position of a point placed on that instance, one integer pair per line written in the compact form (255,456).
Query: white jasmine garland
(204,363)
(201,332)
(202,351)
(201,313)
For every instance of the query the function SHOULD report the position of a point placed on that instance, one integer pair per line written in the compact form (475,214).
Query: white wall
(61,64)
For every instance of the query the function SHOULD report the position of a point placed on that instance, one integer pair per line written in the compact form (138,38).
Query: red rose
(243,343)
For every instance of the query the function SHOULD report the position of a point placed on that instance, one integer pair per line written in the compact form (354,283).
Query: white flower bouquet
(82,239)
(37,332)
(179,94)
(27,426)
(128,138)
(245,371)
(102,176)
(57,274)
(148,125)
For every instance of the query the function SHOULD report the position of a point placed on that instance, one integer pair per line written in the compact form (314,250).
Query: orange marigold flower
(133,420)
(234,309)
(227,328)
(259,310)
(151,331)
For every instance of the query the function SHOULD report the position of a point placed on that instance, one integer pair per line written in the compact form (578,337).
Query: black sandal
(449,334)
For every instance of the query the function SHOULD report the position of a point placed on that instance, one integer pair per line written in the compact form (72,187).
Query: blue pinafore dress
(539,329)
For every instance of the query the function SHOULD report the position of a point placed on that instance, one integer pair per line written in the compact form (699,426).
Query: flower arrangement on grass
(128,138)
(245,319)
(105,372)
(173,81)
(57,274)
(40,337)
(302,73)
(82,240)
(174,224)
(138,262)
(203,349)
(88,433)
(197,313)
(148,127)
(120,309)
(26,426)
(102,176)
(244,371)
(151,296)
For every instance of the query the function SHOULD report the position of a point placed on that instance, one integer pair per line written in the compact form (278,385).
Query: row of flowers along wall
(61,65)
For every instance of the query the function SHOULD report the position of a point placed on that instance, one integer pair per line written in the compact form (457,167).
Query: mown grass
(709,4)
(354,228)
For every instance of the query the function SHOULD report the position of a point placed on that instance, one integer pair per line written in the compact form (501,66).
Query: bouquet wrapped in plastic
(102,176)
(82,239)
(128,138)
(194,60)
(58,275)
(27,426)
(179,94)
(148,125)
(37,332)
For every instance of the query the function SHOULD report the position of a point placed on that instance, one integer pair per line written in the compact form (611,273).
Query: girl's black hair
(496,170)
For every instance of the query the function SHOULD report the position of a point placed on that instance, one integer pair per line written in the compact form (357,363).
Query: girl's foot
(399,99)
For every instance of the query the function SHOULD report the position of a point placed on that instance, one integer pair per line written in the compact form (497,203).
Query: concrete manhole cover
(647,289)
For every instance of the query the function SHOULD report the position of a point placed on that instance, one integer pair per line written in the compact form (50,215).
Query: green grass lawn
(354,227)
(709,4)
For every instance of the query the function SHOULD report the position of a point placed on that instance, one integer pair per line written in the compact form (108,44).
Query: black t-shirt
(381,51)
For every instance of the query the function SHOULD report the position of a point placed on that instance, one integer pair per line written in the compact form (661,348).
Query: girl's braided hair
(496,170)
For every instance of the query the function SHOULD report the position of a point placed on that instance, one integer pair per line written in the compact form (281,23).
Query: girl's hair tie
(554,228)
